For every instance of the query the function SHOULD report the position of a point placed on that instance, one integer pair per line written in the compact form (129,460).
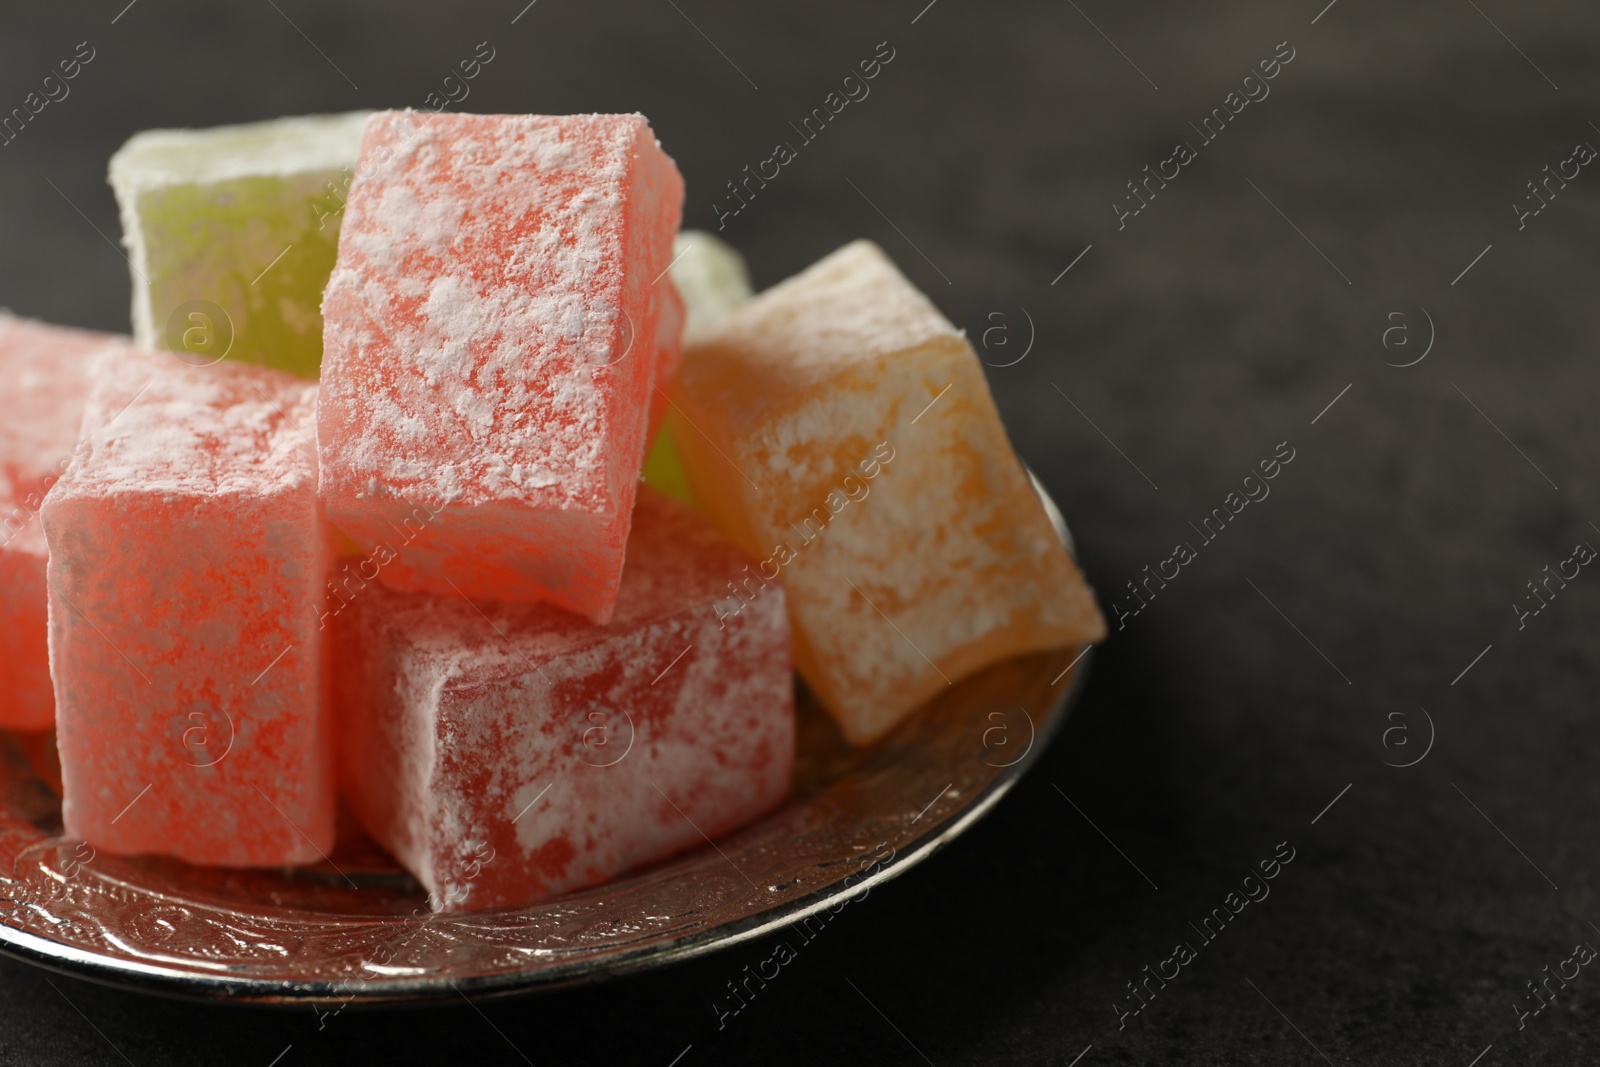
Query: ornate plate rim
(178,983)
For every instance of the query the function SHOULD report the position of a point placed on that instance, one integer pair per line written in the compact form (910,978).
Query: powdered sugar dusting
(481,292)
(913,547)
(154,424)
(846,308)
(566,751)
(46,370)
(490,346)
(299,145)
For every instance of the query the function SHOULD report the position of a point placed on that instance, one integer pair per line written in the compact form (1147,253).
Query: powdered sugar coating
(669,351)
(243,218)
(45,371)
(302,144)
(881,485)
(847,310)
(490,340)
(457,722)
(712,277)
(44,375)
(186,556)
(155,424)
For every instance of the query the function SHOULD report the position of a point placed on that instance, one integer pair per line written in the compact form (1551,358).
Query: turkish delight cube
(186,564)
(840,430)
(506,754)
(44,376)
(491,348)
(231,235)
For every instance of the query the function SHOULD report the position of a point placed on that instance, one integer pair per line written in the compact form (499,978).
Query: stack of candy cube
(443,480)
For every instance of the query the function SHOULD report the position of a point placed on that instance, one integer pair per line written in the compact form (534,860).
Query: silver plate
(854,819)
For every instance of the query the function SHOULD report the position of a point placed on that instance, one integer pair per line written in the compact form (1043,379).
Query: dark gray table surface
(1181,349)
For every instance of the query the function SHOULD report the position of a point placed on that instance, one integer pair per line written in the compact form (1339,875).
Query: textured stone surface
(1196,339)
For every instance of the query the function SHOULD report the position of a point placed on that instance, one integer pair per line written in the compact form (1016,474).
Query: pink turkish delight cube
(186,562)
(508,754)
(490,348)
(44,377)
